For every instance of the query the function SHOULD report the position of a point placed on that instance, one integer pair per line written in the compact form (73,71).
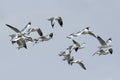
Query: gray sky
(41,61)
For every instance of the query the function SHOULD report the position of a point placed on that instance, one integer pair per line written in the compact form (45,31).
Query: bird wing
(39,31)
(110,50)
(92,34)
(26,27)
(98,52)
(13,28)
(82,65)
(75,42)
(102,42)
(60,21)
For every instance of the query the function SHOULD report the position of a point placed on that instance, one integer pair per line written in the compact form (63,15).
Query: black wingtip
(111,50)
(25,46)
(51,35)
(29,23)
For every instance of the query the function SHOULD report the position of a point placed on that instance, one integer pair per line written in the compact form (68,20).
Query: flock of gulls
(21,37)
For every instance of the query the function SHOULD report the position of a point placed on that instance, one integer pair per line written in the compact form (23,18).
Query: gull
(104,52)
(24,32)
(41,37)
(52,20)
(77,46)
(80,63)
(104,44)
(67,56)
(19,33)
(84,31)
(60,21)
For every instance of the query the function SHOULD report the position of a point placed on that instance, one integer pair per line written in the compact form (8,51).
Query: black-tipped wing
(75,42)
(39,31)
(111,50)
(82,65)
(102,42)
(28,25)
(92,34)
(76,49)
(13,28)
(60,21)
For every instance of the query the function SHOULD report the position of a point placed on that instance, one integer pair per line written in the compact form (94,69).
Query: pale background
(41,61)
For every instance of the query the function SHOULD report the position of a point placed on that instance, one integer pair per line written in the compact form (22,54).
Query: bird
(77,46)
(42,37)
(59,20)
(104,52)
(54,19)
(80,62)
(84,32)
(24,32)
(104,44)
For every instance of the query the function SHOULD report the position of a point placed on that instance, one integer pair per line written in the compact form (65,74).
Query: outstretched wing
(27,26)
(75,42)
(82,65)
(13,28)
(92,34)
(102,42)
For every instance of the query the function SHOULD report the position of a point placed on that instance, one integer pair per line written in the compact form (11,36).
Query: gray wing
(28,25)
(13,28)
(92,34)
(76,43)
(102,42)
(82,65)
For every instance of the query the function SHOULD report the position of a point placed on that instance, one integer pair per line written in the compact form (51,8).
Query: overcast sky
(41,61)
